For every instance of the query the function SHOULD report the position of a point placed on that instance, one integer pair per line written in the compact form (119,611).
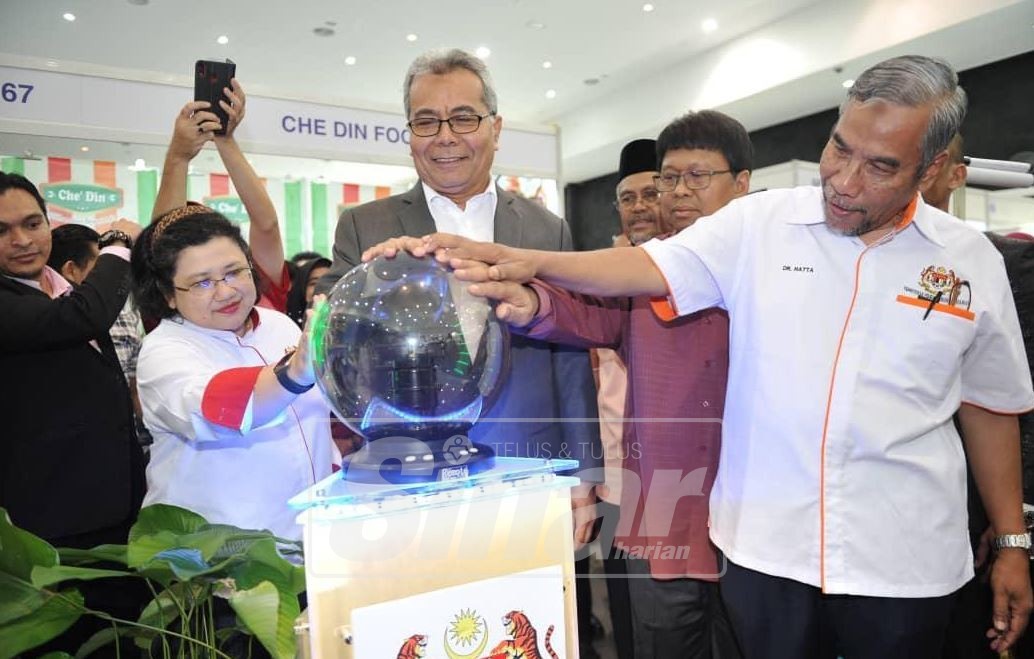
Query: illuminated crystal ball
(402,349)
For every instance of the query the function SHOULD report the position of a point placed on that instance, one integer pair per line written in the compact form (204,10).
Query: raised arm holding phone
(195,125)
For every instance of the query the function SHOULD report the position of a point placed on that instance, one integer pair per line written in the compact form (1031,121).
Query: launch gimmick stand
(428,543)
(467,554)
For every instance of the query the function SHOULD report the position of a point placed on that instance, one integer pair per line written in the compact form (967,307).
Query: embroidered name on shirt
(798,268)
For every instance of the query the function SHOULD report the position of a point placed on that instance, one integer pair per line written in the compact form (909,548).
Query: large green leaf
(162,517)
(18,598)
(99,554)
(265,568)
(261,611)
(142,548)
(238,541)
(20,551)
(46,576)
(157,529)
(56,615)
(264,554)
(221,541)
(167,528)
(186,564)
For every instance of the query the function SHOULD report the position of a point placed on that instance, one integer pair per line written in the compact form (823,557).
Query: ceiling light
(483,52)
(847,84)
(411,37)
(547,64)
(647,7)
(550,93)
(222,40)
(84,149)
(139,163)
(535,25)
(709,25)
(68,16)
(52,63)
(350,60)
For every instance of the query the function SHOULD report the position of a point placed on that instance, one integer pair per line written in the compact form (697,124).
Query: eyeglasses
(458,123)
(206,287)
(629,199)
(695,179)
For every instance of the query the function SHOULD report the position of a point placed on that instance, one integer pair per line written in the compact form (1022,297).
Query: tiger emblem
(414,647)
(524,640)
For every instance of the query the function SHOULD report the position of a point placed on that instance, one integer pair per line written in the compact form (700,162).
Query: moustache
(840,202)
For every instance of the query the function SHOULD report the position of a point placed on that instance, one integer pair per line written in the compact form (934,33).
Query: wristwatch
(112,236)
(280,371)
(1012,541)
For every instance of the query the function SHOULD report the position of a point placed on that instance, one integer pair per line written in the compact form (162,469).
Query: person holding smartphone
(196,124)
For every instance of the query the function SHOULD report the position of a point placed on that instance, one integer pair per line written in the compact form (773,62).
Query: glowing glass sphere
(402,349)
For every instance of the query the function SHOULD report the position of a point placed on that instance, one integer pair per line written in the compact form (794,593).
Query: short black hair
(710,130)
(71,242)
(302,257)
(19,182)
(296,305)
(153,262)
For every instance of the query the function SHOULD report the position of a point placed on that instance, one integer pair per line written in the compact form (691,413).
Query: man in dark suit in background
(452,113)
(71,468)
(965,638)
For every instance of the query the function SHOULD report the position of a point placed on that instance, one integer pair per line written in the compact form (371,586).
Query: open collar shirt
(476,220)
(840,466)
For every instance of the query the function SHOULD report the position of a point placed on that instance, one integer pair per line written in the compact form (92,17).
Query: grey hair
(912,81)
(440,62)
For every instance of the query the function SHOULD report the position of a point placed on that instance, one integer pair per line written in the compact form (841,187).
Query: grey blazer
(548,405)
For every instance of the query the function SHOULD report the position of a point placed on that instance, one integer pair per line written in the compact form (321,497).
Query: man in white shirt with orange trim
(861,319)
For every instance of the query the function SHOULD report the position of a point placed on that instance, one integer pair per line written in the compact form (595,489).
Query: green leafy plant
(186,562)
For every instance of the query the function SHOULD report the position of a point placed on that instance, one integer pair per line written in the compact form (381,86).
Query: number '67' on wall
(13,92)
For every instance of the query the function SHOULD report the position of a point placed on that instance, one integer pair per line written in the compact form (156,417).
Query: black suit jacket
(1019,266)
(70,464)
(548,405)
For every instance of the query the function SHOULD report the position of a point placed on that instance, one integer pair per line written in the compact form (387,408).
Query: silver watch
(1012,541)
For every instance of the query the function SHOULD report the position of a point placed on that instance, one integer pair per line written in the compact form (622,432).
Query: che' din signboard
(81,197)
(232,208)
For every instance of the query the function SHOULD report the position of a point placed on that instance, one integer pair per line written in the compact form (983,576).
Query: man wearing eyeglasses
(676,390)
(454,132)
(708,179)
(637,195)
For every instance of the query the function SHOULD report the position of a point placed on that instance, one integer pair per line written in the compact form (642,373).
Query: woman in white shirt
(225,386)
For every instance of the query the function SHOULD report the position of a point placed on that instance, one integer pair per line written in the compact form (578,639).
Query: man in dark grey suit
(548,405)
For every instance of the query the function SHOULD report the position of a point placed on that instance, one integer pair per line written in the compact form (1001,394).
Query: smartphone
(210,78)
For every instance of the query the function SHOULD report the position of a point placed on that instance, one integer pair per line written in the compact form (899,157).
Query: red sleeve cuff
(541,324)
(228,395)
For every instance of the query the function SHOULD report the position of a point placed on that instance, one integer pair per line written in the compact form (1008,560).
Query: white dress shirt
(476,221)
(840,465)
